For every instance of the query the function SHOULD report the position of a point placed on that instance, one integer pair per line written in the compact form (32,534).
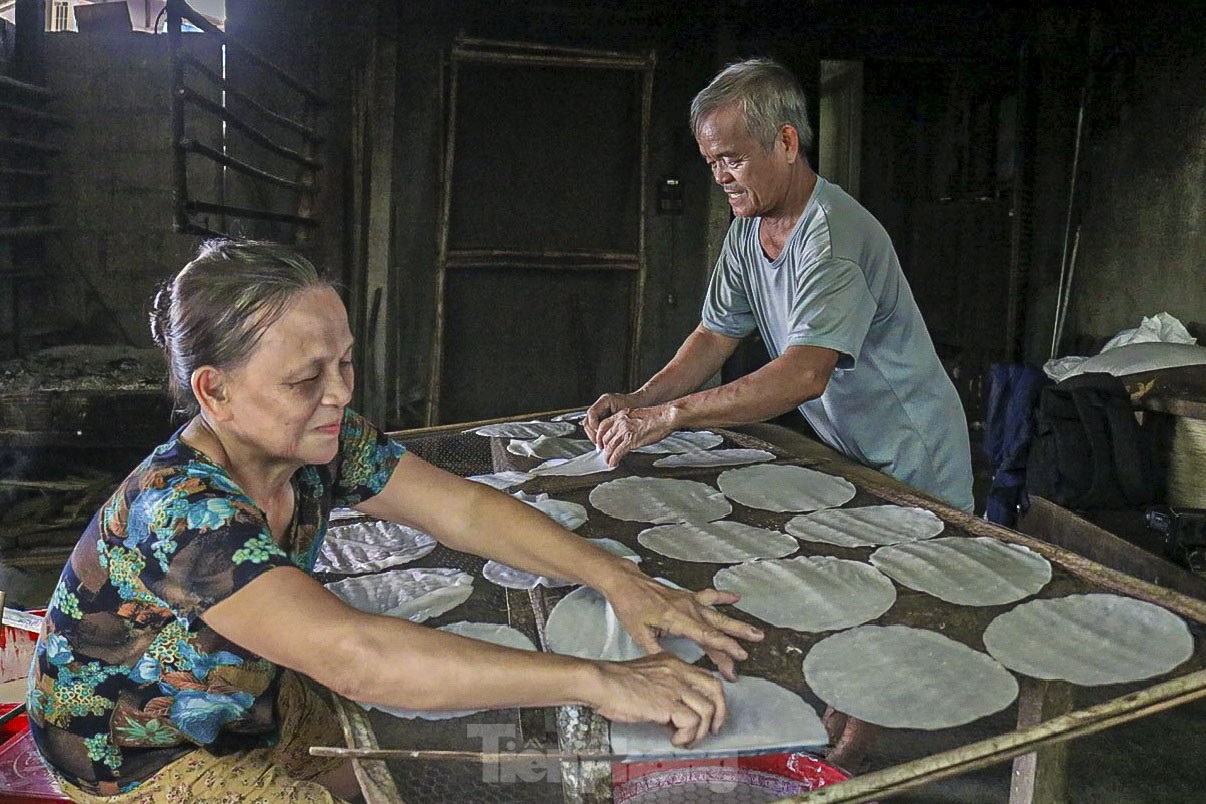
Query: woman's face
(286,401)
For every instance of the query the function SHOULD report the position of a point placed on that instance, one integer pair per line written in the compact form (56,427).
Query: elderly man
(816,274)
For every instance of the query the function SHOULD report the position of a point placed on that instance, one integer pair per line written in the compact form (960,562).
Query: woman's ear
(209,389)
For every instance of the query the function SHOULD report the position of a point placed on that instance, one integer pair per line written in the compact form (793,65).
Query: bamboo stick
(974,756)
(432,755)
(49,485)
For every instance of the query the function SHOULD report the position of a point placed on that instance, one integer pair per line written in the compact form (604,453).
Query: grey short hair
(214,310)
(767,95)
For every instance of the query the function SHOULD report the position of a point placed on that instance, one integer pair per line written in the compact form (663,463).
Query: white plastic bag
(1159,327)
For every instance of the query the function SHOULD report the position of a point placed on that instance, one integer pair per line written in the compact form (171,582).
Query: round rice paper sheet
(661,501)
(1101,639)
(487,632)
(866,526)
(616,548)
(717,542)
(683,441)
(589,463)
(975,571)
(341,514)
(809,593)
(583,624)
(511,578)
(501,480)
(371,545)
(572,416)
(777,487)
(714,457)
(547,447)
(762,717)
(412,594)
(524,430)
(569,515)
(908,678)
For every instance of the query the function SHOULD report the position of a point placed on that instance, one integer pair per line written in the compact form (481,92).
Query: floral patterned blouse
(127,676)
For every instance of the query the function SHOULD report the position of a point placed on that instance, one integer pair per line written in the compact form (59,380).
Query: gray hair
(214,310)
(767,95)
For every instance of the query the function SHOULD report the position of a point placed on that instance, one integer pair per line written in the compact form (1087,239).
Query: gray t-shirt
(889,403)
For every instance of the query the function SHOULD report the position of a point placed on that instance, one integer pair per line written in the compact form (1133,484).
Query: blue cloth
(1008,429)
(889,403)
(127,676)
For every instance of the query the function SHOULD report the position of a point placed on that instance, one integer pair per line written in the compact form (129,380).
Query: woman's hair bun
(161,314)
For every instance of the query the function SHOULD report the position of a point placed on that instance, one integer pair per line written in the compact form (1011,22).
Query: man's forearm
(698,359)
(786,382)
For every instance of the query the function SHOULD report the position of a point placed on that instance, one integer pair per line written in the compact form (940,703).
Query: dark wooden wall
(938,168)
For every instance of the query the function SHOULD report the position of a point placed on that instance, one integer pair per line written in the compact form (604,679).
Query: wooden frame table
(1047,717)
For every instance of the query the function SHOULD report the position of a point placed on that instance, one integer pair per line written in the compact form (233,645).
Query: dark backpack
(1088,450)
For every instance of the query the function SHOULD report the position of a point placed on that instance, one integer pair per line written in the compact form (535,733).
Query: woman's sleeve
(367,458)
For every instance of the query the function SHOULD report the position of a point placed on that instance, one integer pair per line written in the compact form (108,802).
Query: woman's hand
(649,610)
(474,518)
(661,689)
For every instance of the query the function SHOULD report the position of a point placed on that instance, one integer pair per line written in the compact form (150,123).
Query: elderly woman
(176,659)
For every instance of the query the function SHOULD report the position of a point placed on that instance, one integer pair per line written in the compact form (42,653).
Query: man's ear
(790,139)
(209,389)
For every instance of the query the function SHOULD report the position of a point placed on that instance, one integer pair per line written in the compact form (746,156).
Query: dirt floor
(84,367)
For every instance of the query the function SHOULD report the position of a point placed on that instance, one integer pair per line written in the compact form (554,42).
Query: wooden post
(376,783)
(379,241)
(1041,777)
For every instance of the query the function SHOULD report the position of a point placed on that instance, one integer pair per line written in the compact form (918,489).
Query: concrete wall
(1143,226)
(1140,197)
(113,183)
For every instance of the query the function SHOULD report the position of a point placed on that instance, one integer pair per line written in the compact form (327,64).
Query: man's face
(755,180)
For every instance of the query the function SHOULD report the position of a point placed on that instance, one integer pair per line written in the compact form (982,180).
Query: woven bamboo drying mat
(457,449)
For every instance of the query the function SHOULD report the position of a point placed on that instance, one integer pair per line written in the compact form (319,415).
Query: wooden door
(542,245)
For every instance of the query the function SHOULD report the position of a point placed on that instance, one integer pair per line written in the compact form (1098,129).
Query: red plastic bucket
(758,778)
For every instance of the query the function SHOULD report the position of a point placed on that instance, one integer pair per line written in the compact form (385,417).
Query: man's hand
(629,429)
(605,406)
(649,609)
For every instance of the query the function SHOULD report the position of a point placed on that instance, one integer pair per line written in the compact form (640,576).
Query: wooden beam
(892,490)
(1058,526)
